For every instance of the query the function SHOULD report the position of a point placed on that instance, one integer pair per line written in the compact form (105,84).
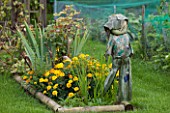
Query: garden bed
(58,108)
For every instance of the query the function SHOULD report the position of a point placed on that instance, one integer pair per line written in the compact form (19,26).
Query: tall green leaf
(32,38)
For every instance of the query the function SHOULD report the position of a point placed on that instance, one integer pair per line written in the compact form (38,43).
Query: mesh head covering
(115,21)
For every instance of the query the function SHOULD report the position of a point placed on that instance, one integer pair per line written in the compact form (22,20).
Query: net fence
(96,13)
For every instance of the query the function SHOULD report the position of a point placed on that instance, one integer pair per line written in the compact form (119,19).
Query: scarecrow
(120,49)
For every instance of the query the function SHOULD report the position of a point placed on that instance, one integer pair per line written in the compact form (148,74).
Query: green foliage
(81,77)
(78,42)
(38,49)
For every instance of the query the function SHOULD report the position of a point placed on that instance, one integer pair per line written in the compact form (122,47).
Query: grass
(151,88)
(15,100)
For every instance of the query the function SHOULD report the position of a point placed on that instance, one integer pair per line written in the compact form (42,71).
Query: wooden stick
(44,99)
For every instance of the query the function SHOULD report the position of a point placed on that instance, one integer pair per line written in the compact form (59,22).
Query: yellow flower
(35,83)
(44,92)
(98,65)
(70,76)
(25,77)
(57,72)
(76,88)
(54,78)
(89,87)
(75,78)
(48,88)
(68,85)
(82,56)
(110,66)
(55,86)
(70,81)
(69,66)
(47,74)
(67,60)
(71,94)
(54,93)
(90,63)
(46,80)
(30,72)
(103,66)
(57,49)
(52,70)
(89,75)
(60,65)
(62,74)
(74,58)
(41,80)
(87,55)
(117,74)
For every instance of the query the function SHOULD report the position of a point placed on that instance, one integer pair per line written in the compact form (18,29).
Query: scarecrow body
(120,49)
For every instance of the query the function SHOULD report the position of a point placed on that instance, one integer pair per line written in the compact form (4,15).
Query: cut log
(108,108)
(43,98)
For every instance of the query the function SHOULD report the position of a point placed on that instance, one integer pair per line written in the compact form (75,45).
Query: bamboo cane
(44,99)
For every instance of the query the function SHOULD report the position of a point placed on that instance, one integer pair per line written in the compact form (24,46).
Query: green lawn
(151,89)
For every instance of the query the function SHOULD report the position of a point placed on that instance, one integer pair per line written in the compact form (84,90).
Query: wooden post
(114,9)
(27,4)
(43,13)
(13,15)
(143,38)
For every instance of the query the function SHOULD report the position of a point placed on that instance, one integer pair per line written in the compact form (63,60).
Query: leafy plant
(39,51)
(81,78)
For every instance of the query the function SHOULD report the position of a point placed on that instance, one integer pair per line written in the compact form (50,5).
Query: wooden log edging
(58,108)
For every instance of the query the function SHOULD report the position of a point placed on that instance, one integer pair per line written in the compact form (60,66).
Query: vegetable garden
(53,53)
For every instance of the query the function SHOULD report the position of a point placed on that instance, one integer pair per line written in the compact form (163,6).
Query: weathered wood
(43,98)
(143,38)
(27,4)
(13,14)
(43,13)
(108,108)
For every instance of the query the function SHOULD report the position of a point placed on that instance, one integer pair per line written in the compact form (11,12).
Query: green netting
(96,12)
